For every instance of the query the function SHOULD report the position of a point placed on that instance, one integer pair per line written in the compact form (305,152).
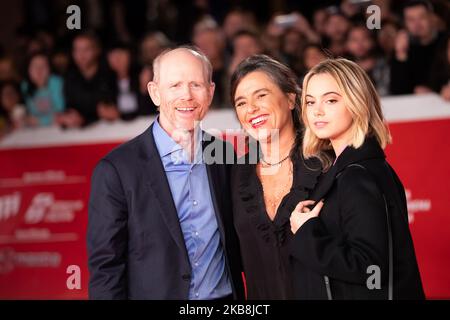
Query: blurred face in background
(386,37)
(236,21)
(319,20)
(39,70)
(152,46)
(292,43)
(336,27)
(9,97)
(119,60)
(359,42)
(85,52)
(7,69)
(418,21)
(245,45)
(312,56)
(210,42)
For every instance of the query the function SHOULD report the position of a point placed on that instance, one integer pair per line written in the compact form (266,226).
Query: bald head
(171,55)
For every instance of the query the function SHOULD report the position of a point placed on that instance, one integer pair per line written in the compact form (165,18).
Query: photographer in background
(89,87)
(415,49)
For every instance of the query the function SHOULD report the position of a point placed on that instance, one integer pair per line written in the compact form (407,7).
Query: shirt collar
(166,145)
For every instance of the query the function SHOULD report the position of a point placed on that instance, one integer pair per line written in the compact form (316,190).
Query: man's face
(210,43)
(85,52)
(418,21)
(245,46)
(182,91)
(336,27)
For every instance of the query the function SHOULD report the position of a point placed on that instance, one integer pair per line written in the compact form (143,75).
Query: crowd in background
(51,75)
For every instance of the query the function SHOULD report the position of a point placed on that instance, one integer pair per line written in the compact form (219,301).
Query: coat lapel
(216,180)
(154,173)
(370,149)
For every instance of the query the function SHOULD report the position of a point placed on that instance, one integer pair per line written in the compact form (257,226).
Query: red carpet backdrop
(44,194)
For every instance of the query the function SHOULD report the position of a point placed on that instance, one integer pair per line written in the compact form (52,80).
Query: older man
(159,214)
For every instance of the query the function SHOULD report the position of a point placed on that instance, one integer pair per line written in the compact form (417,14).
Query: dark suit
(135,244)
(351,232)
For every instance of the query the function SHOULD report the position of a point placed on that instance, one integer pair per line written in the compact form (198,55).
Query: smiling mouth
(185,109)
(259,120)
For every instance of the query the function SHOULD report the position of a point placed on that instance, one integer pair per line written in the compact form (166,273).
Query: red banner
(43,217)
(44,199)
(420,155)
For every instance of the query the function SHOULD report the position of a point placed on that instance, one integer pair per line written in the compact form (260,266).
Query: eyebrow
(255,92)
(325,94)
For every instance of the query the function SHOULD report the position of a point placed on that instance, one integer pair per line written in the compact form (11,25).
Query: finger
(318,207)
(299,207)
(307,203)
(306,210)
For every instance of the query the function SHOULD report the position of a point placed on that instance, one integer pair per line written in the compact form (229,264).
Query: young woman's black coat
(351,232)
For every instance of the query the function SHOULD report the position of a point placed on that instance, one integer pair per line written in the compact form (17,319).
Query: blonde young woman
(351,240)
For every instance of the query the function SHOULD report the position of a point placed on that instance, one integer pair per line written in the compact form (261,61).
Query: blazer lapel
(153,170)
(215,174)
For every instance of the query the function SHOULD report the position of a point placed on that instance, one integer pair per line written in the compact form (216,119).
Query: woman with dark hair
(267,181)
(12,111)
(42,91)
(132,99)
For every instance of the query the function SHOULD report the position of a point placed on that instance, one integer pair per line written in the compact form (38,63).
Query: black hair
(16,87)
(31,87)
(245,32)
(90,35)
(283,77)
(414,3)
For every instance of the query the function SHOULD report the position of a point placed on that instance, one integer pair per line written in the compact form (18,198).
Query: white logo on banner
(9,205)
(11,259)
(416,205)
(44,208)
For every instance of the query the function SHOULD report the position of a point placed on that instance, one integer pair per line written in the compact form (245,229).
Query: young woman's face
(39,71)
(312,56)
(261,106)
(326,112)
(9,97)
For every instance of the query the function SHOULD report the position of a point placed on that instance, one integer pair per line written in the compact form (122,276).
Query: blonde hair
(361,100)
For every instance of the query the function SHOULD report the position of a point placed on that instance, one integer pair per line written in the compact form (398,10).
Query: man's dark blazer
(135,245)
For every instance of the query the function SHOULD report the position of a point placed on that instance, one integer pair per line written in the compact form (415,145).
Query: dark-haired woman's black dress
(264,243)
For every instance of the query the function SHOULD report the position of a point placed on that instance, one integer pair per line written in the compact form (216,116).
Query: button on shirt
(191,194)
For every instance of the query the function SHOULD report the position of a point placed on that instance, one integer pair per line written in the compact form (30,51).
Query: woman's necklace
(268,164)
(275,189)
